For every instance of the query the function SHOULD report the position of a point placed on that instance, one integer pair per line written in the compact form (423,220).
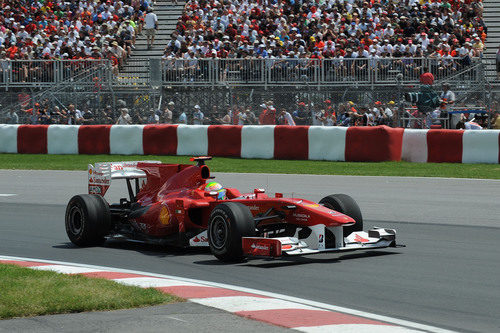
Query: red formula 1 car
(179,204)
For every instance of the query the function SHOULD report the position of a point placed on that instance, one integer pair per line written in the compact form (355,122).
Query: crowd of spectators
(332,29)
(448,32)
(324,113)
(329,28)
(57,29)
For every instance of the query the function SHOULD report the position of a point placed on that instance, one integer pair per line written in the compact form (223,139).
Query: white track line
(354,328)
(249,303)
(7,195)
(66,269)
(325,306)
(153,282)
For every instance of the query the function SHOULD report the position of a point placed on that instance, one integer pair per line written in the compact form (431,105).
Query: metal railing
(243,72)
(326,72)
(47,73)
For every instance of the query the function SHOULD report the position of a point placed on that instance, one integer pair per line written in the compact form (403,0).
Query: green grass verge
(219,164)
(26,292)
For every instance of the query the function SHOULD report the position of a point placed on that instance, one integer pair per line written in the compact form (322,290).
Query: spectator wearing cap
(124,118)
(300,115)
(107,115)
(389,109)
(268,115)
(263,112)
(198,116)
(427,78)
(153,117)
(285,118)
(88,117)
(351,107)
(478,47)
(377,108)
(119,53)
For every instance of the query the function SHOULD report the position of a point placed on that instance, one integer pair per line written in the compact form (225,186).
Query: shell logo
(312,205)
(164,216)
(90,171)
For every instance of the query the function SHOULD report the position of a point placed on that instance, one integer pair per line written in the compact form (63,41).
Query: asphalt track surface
(447,276)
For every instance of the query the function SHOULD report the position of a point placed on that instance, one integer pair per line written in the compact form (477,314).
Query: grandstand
(242,53)
(135,71)
(492,19)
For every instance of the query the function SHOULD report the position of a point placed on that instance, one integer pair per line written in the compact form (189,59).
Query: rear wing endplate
(101,174)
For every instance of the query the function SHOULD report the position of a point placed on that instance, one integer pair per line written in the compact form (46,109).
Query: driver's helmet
(216,187)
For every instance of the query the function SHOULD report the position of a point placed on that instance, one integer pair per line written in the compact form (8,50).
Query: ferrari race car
(179,204)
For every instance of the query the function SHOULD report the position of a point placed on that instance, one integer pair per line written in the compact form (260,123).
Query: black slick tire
(344,204)
(87,220)
(228,223)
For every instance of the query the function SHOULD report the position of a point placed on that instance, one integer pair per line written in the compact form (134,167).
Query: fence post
(55,72)
(154,70)
(264,73)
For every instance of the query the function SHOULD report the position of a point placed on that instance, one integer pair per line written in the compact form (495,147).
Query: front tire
(345,204)
(87,220)
(228,223)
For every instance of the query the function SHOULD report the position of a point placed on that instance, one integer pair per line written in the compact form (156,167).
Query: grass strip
(221,164)
(27,292)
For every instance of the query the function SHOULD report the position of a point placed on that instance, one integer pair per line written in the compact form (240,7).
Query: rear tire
(344,204)
(88,219)
(228,223)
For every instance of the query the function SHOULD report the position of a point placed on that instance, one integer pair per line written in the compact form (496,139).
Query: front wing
(290,246)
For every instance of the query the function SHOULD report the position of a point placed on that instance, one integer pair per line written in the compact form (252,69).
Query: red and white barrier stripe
(8,138)
(363,144)
(274,309)
(451,146)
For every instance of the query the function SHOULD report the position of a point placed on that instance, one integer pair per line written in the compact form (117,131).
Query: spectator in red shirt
(268,116)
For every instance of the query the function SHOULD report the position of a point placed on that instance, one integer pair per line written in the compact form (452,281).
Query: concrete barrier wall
(368,144)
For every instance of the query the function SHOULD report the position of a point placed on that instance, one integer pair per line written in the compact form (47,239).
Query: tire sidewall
(345,204)
(238,221)
(95,219)
(76,203)
(220,212)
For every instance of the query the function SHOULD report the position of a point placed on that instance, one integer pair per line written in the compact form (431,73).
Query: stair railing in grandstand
(77,75)
(47,73)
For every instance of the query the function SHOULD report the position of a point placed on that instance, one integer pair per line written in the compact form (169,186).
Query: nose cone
(325,215)
(340,218)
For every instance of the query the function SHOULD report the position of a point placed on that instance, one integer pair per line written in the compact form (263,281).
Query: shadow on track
(160,251)
(292,261)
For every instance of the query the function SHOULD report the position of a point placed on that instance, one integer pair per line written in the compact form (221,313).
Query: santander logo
(259,247)
(201,239)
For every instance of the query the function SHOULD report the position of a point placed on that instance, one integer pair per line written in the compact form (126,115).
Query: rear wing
(101,174)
